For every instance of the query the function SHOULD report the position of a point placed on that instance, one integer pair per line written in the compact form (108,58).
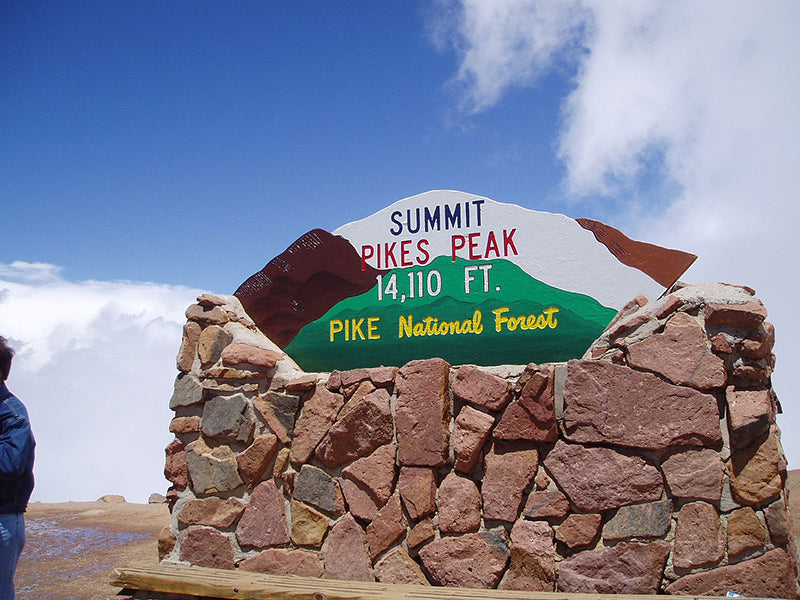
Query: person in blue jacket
(16,475)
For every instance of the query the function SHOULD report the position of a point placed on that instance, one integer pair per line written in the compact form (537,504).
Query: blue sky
(152,151)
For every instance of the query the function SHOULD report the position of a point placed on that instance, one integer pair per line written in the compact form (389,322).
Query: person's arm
(15,442)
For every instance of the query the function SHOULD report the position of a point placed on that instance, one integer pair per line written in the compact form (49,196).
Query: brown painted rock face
(611,404)
(680,354)
(606,479)
(423,413)
(627,568)
(473,560)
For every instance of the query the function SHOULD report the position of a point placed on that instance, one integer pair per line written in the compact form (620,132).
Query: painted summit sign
(452,275)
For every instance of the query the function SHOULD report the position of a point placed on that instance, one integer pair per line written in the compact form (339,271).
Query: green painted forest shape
(580,320)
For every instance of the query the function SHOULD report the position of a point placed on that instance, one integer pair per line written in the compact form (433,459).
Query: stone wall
(653,465)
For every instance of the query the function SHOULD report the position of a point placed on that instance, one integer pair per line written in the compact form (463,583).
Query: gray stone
(229,418)
(188,391)
(212,469)
(649,520)
(314,486)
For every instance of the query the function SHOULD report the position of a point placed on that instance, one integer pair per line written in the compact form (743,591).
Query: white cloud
(95,365)
(697,100)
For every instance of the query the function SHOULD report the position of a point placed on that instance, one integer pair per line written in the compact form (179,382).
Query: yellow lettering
(499,319)
(336,327)
(525,322)
(405,326)
(372,328)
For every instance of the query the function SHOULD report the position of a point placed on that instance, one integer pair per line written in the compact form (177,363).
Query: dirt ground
(73,547)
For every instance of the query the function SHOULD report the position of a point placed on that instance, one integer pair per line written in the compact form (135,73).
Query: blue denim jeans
(12,539)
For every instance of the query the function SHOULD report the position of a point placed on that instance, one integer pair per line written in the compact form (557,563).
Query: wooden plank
(245,585)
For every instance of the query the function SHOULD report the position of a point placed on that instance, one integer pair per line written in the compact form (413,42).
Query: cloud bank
(682,123)
(95,365)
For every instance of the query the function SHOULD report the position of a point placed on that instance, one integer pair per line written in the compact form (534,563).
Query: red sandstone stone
(579,530)
(626,325)
(353,376)
(212,315)
(305,383)
(473,560)
(398,567)
(459,505)
(756,470)
(188,349)
(212,511)
(417,487)
(779,522)
(481,389)
(245,355)
(759,345)
(694,474)
(532,564)
(670,306)
(749,414)
(533,416)
(508,471)
(680,354)
(546,504)
(720,343)
(318,414)
(627,568)
(382,376)
(334,381)
(606,478)
(749,315)
(745,532)
(699,538)
(254,460)
(611,404)
(184,425)
(360,502)
(365,427)
(175,468)
(769,576)
(362,390)
(274,561)
(347,556)
(422,532)
(263,523)
(206,547)
(279,411)
(210,344)
(471,431)
(166,542)
(423,413)
(386,528)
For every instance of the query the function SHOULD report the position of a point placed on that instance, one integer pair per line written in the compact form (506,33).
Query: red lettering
(388,252)
(366,252)
(455,247)
(423,251)
(404,254)
(473,245)
(508,241)
(491,245)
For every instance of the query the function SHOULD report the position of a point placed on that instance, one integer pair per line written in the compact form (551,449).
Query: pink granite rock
(211,511)
(756,470)
(749,315)
(365,427)
(417,487)
(274,561)
(347,556)
(699,538)
(533,416)
(610,404)
(481,389)
(263,523)
(694,474)
(470,432)
(627,568)
(398,567)
(459,505)
(606,478)
(579,530)
(532,564)
(247,356)
(681,354)
(422,532)
(253,461)
(546,504)
(386,528)
(769,576)
(473,560)
(749,414)
(508,471)
(745,532)
(205,547)
(188,349)
(318,414)
(368,482)
(422,413)
(175,468)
